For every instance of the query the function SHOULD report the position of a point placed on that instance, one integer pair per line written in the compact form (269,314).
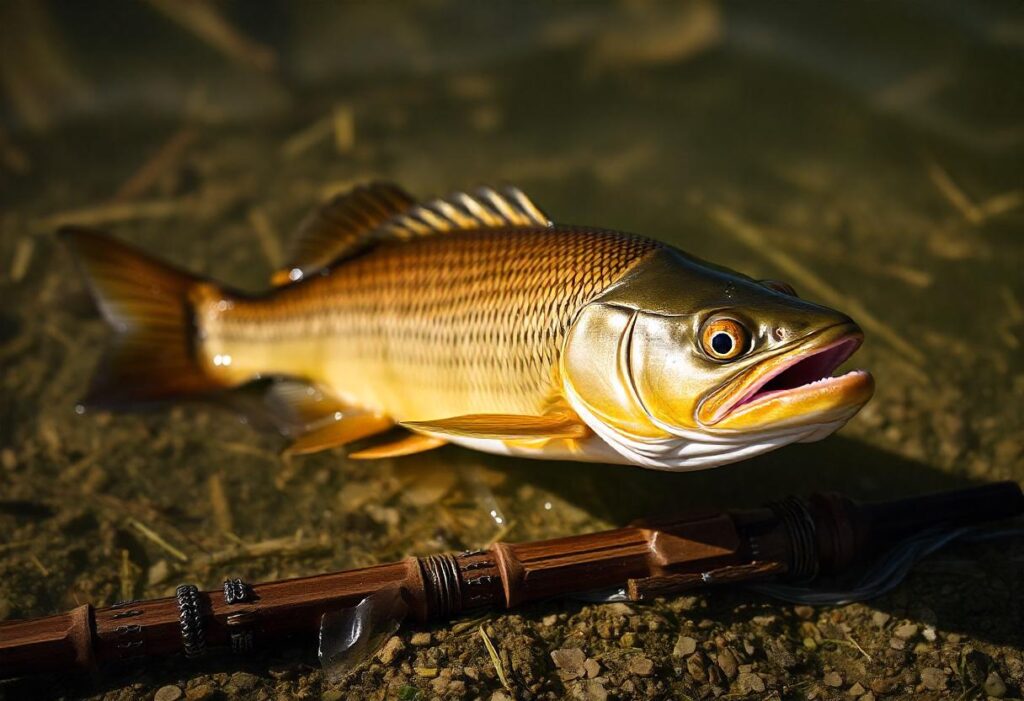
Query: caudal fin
(147,302)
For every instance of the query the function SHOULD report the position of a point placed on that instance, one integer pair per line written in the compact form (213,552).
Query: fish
(475,320)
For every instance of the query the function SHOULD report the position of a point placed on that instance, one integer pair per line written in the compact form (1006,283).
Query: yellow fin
(407,445)
(339,431)
(485,208)
(340,228)
(505,426)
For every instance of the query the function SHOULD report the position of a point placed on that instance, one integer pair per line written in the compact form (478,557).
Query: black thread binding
(193,637)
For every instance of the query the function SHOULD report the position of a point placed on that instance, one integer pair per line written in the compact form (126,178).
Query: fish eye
(779,286)
(724,339)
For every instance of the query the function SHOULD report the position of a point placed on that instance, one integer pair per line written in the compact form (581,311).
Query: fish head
(685,365)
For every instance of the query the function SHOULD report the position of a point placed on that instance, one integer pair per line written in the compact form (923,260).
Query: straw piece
(203,20)
(495,660)
(219,505)
(155,538)
(269,243)
(166,158)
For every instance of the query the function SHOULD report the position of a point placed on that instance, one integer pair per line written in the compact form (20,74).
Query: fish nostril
(779,333)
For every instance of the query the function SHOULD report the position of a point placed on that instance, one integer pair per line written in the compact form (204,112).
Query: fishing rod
(796,540)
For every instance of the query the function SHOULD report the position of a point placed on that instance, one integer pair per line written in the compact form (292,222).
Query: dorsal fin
(485,208)
(340,228)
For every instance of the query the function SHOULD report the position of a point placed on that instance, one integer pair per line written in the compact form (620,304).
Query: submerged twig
(276,547)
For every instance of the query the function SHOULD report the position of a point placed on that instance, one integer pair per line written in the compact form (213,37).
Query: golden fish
(475,320)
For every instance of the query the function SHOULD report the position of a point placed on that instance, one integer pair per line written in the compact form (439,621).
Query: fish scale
(451,324)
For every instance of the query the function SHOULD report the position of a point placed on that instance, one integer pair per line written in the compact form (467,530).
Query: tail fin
(147,302)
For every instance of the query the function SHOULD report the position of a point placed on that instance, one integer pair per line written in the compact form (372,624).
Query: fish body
(475,320)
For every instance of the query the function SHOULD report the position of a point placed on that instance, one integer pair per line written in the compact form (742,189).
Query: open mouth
(804,377)
(814,368)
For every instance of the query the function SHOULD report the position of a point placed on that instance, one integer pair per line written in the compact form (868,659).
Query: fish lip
(842,339)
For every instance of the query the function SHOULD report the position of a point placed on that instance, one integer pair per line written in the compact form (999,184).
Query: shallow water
(869,154)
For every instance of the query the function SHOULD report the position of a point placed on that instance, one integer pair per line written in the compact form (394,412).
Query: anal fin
(407,445)
(338,432)
(505,426)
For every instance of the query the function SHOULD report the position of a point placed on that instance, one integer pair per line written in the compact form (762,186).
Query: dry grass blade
(276,547)
(495,660)
(166,158)
(155,538)
(203,20)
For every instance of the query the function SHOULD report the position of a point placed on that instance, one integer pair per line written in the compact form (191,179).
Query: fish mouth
(794,385)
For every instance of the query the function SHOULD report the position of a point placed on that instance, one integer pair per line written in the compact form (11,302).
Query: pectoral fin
(408,445)
(505,426)
(338,432)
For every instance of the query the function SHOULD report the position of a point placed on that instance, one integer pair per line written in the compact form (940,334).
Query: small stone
(500,696)
(933,678)
(168,693)
(953,638)
(549,620)
(471,672)
(428,672)
(929,634)
(880,618)
(748,682)
(695,667)
(804,612)
(763,620)
(897,644)
(685,645)
(868,697)
(833,679)
(994,685)
(391,650)
(569,662)
(243,680)
(641,666)
(727,663)
(592,668)
(421,639)
(592,690)
(8,459)
(627,640)
(906,631)
(201,692)
(779,654)
(856,690)
(333,695)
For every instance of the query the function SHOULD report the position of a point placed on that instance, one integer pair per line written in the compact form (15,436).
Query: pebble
(727,663)
(592,690)
(748,682)
(897,644)
(868,697)
(695,666)
(933,678)
(592,668)
(880,618)
(168,693)
(570,662)
(856,690)
(929,634)
(421,639)
(685,645)
(628,640)
(243,680)
(906,631)
(500,696)
(550,620)
(833,679)
(994,685)
(641,666)
(804,612)
(200,692)
(391,650)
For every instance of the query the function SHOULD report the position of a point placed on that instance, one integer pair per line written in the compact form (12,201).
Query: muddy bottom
(877,175)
